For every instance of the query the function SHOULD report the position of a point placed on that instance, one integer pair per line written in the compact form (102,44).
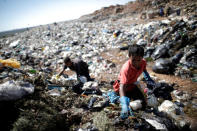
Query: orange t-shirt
(129,74)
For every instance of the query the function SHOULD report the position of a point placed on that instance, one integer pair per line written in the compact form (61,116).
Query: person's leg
(135,94)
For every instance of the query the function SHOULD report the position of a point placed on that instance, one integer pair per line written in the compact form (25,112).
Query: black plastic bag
(164,66)
(160,52)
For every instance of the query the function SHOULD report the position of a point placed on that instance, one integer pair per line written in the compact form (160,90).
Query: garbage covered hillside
(34,97)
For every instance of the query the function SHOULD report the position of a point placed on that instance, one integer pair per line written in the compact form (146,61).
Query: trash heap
(171,44)
(36,99)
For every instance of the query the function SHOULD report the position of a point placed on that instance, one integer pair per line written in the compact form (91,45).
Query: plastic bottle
(10,62)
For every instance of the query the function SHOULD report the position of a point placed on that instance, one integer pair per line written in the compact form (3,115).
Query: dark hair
(136,50)
(67,59)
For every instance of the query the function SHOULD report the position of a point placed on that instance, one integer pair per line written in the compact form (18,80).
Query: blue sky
(25,13)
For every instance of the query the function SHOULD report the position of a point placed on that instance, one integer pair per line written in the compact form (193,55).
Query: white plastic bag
(157,125)
(62,80)
(89,85)
(12,90)
(14,44)
(135,105)
(167,107)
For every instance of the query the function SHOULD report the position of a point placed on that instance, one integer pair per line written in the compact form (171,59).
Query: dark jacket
(80,67)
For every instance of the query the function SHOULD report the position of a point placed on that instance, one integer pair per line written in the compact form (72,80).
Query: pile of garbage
(165,41)
(38,103)
(38,100)
(170,43)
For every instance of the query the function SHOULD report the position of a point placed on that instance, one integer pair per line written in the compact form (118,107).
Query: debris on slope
(49,103)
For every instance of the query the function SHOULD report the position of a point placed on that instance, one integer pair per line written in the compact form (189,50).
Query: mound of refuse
(32,97)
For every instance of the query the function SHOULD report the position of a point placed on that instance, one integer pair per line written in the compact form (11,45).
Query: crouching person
(81,69)
(126,85)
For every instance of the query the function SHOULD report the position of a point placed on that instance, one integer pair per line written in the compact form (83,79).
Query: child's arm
(124,102)
(148,78)
(121,90)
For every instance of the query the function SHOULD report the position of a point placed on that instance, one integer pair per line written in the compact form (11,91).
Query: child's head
(68,61)
(136,50)
(136,54)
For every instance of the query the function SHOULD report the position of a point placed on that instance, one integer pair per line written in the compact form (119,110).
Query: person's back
(81,68)
(77,65)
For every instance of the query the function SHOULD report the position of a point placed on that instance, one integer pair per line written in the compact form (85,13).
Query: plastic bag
(12,90)
(14,44)
(164,66)
(135,105)
(83,79)
(113,97)
(152,100)
(61,80)
(156,124)
(10,62)
(167,107)
(161,52)
(89,85)
(176,58)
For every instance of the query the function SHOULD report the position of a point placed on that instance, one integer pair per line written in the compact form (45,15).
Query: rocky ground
(32,98)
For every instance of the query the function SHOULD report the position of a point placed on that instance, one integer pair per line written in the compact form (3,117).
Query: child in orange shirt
(130,71)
